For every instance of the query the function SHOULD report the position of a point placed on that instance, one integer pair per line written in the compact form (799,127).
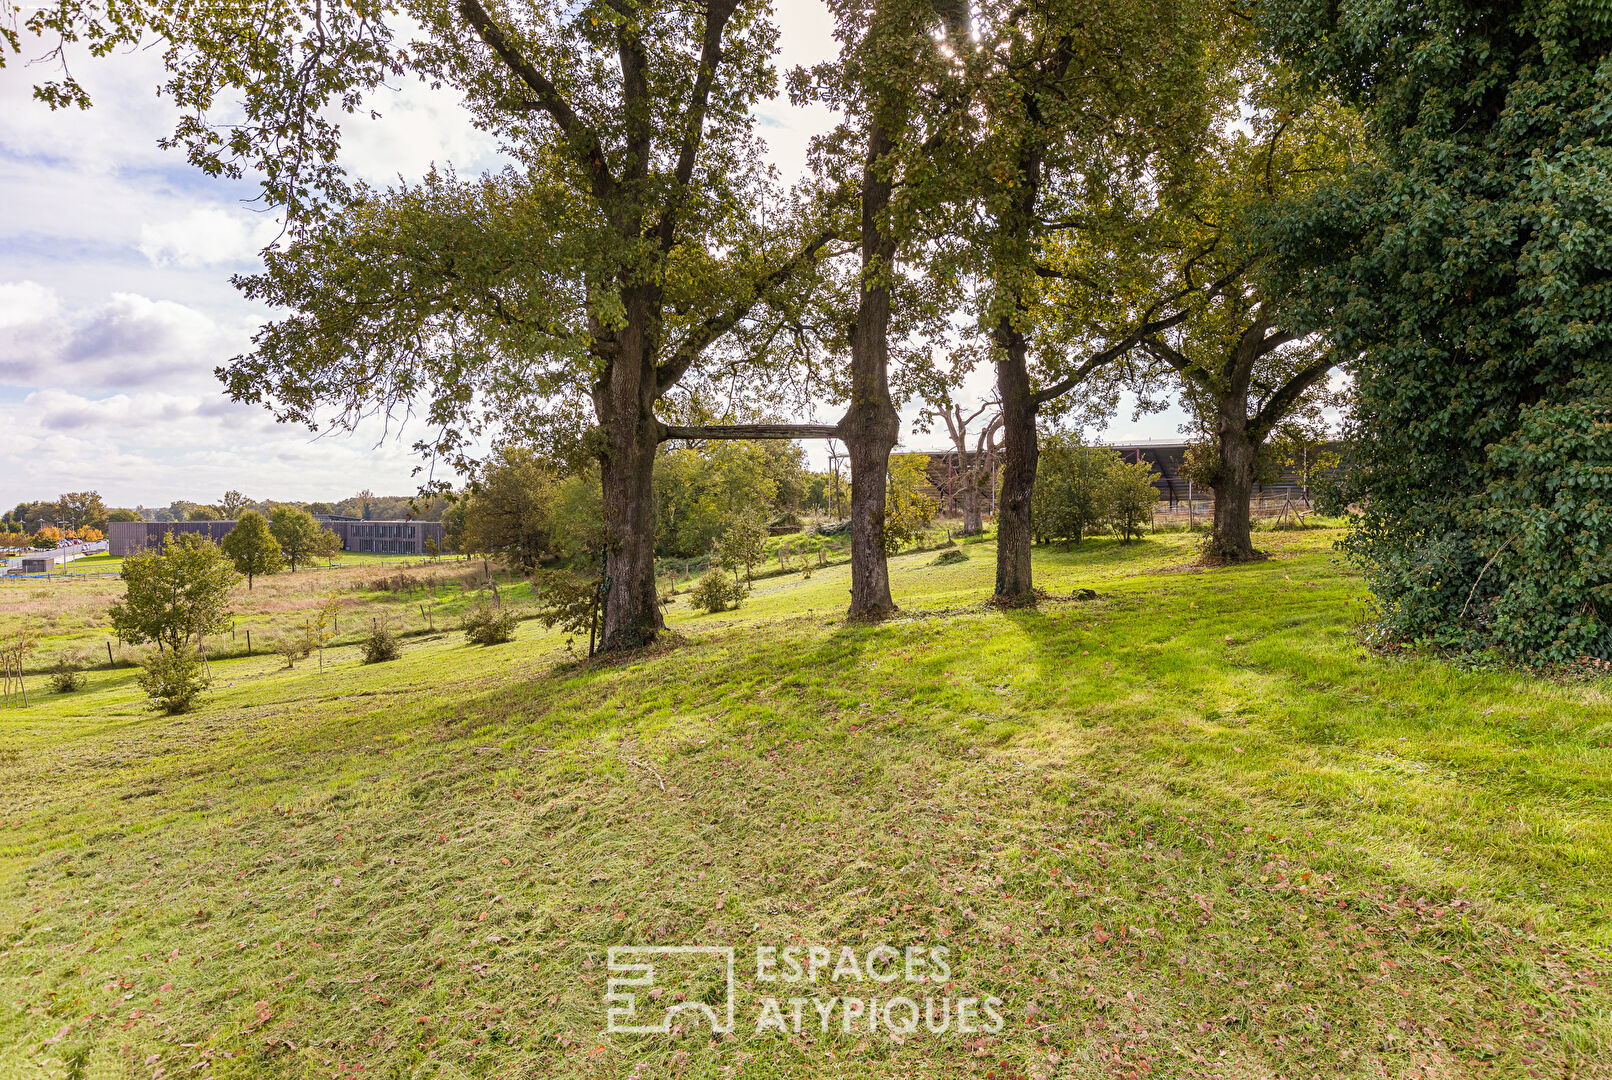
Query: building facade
(377,537)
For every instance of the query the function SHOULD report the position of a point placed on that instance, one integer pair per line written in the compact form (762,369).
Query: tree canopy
(1469,263)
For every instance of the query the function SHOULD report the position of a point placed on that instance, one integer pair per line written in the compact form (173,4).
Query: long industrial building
(379,537)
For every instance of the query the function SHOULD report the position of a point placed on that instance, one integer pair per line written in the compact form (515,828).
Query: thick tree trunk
(1014,584)
(871,426)
(870,433)
(626,402)
(1229,535)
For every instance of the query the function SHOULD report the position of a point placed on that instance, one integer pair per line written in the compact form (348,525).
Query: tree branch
(584,140)
(714,326)
(1279,403)
(748,431)
(716,20)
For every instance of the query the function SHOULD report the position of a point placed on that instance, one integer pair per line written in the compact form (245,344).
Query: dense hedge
(1469,266)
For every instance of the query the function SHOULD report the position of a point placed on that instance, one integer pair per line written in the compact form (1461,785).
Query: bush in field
(1131,498)
(173,680)
(380,646)
(908,512)
(1080,489)
(66,678)
(1071,488)
(950,556)
(485,624)
(717,592)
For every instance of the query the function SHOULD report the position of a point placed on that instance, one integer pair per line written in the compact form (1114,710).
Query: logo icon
(682,975)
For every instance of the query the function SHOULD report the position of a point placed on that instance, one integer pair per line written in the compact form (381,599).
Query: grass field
(1186,828)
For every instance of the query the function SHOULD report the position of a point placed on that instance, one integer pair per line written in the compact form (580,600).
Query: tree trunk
(626,400)
(971,500)
(871,426)
(1014,584)
(870,435)
(1229,536)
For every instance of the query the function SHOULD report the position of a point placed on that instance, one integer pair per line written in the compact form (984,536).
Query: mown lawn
(1186,828)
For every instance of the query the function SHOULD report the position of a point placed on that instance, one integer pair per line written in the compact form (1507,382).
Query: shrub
(1131,498)
(908,512)
(173,679)
(380,646)
(717,592)
(66,678)
(293,648)
(952,555)
(488,625)
(1071,488)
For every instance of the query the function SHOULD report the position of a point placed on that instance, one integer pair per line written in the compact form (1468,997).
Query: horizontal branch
(749,431)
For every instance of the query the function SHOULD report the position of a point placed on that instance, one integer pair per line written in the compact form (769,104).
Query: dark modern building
(379,537)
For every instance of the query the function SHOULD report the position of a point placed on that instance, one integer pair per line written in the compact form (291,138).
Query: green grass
(1188,828)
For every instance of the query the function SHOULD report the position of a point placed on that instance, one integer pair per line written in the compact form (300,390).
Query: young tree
(175,594)
(302,539)
(910,510)
(744,544)
(232,505)
(1130,497)
(253,547)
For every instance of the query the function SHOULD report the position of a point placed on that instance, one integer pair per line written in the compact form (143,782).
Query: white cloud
(128,342)
(210,236)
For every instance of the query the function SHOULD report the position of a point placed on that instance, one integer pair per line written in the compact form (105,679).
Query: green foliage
(716,591)
(510,510)
(568,601)
(488,624)
(66,677)
(1469,265)
(252,547)
(380,646)
(173,679)
(950,557)
(1071,488)
(743,544)
(302,539)
(701,489)
(1080,489)
(576,517)
(175,594)
(1131,498)
(908,511)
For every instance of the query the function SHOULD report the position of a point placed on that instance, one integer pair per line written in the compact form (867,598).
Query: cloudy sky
(115,302)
